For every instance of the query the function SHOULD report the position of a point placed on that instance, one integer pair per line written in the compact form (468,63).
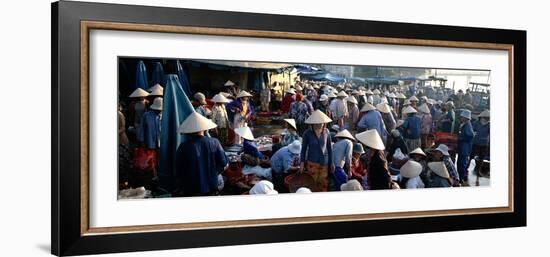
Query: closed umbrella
(184,82)
(176,108)
(158,74)
(141,76)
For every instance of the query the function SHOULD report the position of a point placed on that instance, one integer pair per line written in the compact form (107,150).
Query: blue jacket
(249,147)
(465,139)
(199,160)
(283,159)
(316,150)
(482,133)
(373,120)
(149,132)
(412,127)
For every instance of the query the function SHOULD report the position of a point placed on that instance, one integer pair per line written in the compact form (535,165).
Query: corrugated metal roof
(251,65)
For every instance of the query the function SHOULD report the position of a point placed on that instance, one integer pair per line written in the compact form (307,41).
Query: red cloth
(285,105)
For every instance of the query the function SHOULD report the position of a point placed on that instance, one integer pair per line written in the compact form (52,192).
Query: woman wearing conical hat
(316,153)
(410,175)
(137,107)
(199,159)
(439,176)
(219,116)
(425,124)
(342,152)
(242,112)
(412,128)
(299,111)
(374,160)
(482,129)
(353,113)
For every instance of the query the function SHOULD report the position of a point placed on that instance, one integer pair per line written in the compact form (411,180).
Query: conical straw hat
(317,117)
(369,92)
(411,169)
(342,94)
(409,109)
(367,107)
(331,95)
(361,92)
(219,98)
(156,87)
(485,114)
(424,108)
(351,99)
(418,151)
(229,83)
(139,93)
(291,91)
(157,104)
(401,96)
(157,92)
(345,134)
(413,98)
(383,107)
(439,169)
(352,185)
(292,122)
(243,93)
(371,138)
(195,123)
(245,132)
(376,91)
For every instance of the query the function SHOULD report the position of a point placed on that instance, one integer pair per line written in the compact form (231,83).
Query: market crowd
(337,137)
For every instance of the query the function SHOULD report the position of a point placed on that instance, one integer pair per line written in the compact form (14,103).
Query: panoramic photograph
(189,127)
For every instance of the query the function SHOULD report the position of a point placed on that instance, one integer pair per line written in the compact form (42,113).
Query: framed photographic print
(179,128)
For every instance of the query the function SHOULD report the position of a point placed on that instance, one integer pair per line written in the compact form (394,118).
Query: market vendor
(378,174)
(242,111)
(219,116)
(285,161)
(250,150)
(202,107)
(439,176)
(410,175)
(316,154)
(290,134)
(341,157)
(199,159)
(441,153)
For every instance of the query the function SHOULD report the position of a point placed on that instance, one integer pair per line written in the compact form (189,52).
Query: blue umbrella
(184,82)
(175,109)
(141,76)
(158,74)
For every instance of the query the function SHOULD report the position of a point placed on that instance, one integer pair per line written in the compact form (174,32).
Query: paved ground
(472,177)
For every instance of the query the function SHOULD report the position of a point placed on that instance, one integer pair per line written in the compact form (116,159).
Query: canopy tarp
(176,108)
(307,69)
(325,77)
(158,74)
(141,76)
(382,80)
(182,75)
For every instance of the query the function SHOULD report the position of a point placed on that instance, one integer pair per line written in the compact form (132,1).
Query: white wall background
(25,127)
